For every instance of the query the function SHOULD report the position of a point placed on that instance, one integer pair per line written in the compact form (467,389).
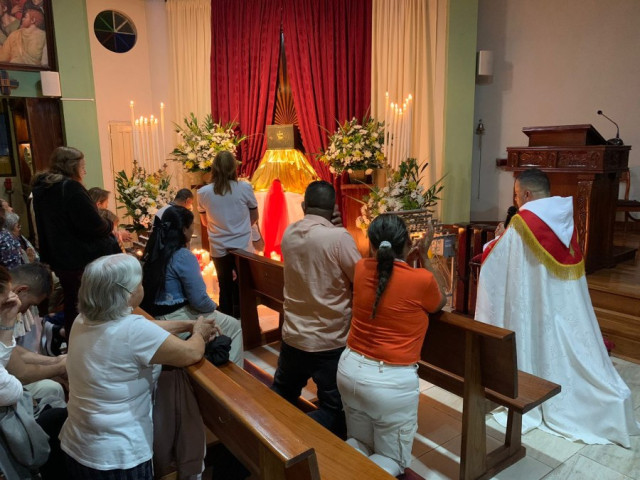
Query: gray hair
(107,285)
(10,221)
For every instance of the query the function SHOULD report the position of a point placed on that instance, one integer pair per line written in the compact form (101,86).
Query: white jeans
(381,408)
(228,325)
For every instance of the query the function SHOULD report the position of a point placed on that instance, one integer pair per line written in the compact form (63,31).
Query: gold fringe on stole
(557,269)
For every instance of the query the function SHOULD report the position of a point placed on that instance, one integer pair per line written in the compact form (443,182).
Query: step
(617,302)
(623,330)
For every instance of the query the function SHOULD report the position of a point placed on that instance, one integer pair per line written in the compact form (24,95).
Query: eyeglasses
(122,286)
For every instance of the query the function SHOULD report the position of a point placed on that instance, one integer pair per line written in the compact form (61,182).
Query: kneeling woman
(377,372)
(173,285)
(109,431)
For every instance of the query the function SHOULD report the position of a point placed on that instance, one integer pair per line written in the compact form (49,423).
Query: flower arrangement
(403,192)
(143,195)
(200,142)
(355,146)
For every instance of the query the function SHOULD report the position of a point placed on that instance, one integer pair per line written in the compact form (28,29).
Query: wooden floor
(615,294)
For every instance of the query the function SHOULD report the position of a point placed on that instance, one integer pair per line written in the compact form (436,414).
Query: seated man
(533,282)
(319,262)
(184,198)
(11,394)
(32,284)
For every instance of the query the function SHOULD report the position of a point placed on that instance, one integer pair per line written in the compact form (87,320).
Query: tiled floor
(437,444)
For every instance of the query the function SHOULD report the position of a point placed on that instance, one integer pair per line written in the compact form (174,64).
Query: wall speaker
(485,62)
(50,84)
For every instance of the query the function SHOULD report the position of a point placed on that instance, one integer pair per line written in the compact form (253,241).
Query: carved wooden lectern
(579,163)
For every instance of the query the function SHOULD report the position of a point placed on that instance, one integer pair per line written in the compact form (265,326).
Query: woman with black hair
(173,285)
(377,373)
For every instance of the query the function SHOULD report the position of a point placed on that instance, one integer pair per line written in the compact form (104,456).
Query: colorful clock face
(115,31)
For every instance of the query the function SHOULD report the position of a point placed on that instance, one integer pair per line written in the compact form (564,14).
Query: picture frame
(33,21)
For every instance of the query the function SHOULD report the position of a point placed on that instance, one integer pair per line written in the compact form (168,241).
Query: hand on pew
(207,328)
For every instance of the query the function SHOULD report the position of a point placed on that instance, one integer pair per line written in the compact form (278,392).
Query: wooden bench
(471,359)
(273,439)
(256,424)
(478,362)
(261,282)
(265,446)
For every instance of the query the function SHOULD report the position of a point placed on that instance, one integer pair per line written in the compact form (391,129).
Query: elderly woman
(109,432)
(70,230)
(228,208)
(10,247)
(27,252)
(174,288)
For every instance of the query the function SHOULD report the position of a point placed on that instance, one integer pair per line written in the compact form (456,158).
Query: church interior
(475,91)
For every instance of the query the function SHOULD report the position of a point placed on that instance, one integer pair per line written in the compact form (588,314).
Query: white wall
(555,63)
(140,75)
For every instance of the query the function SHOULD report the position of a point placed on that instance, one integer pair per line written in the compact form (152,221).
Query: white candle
(136,141)
(147,143)
(133,132)
(158,151)
(163,152)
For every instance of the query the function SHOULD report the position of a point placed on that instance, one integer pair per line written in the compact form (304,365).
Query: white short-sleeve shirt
(228,220)
(110,385)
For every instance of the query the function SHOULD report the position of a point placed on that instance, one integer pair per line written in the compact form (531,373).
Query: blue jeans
(295,367)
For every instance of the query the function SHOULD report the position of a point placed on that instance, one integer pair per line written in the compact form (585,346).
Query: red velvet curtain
(328,49)
(245,46)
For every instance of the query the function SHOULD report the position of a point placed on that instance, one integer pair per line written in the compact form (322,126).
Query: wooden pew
(471,359)
(265,446)
(261,281)
(261,428)
(273,439)
(478,362)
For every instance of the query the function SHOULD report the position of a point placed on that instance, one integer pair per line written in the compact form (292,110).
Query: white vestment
(557,334)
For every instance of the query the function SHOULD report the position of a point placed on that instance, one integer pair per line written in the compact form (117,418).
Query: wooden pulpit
(580,164)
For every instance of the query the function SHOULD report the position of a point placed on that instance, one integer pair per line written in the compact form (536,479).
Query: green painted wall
(76,80)
(459,109)
(80,121)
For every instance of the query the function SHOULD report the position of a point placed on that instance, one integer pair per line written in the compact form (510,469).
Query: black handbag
(217,350)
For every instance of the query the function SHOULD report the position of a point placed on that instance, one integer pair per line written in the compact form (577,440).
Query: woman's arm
(253,215)
(182,353)
(423,251)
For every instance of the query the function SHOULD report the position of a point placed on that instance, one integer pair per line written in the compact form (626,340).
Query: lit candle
(133,132)
(147,143)
(163,152)
(158,152)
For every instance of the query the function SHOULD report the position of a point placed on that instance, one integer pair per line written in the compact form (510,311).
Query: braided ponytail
(388,235)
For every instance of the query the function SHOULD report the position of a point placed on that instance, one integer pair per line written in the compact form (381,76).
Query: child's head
(109,215)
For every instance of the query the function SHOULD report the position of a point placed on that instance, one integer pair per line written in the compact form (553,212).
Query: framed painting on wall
(26,35)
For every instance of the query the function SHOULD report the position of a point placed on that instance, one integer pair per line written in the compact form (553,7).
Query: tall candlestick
(135,153)
(158,152)
(163,152)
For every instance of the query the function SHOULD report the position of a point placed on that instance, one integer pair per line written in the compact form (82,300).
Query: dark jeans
(51,421)
(229,302)
(77,471)
(70,281)
(295,367)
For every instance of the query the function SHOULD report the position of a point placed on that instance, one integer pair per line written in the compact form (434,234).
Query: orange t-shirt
(396,334)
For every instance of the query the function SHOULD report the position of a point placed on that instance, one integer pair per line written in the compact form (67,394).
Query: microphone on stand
(617,140)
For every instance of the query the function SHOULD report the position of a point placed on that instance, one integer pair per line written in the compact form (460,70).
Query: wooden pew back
(446,347)
(261,282)
(267,447)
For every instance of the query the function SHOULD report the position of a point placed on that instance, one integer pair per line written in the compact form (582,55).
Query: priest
(532,281)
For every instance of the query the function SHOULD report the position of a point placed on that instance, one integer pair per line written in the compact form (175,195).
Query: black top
(71,232)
